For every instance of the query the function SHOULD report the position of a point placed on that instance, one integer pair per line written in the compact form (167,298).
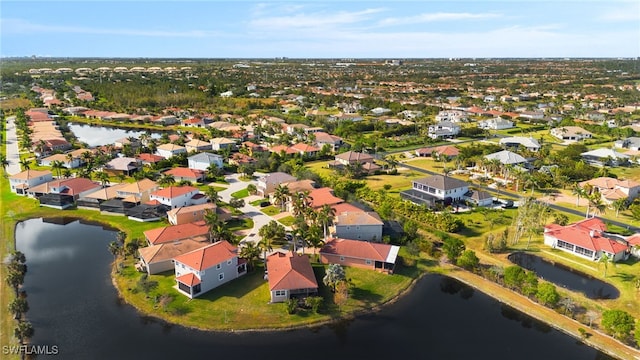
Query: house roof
(150,158)
(198,143)
(358,218)
(290,271)
(73,186)
(277,178)
(361,249)
(174,191)
(442,182)
(588,234)
(107,193)
(280,148)
(138,187)
(192,208)
(571,131)
(323,196)
(323,137)
(176,232)
(166,251)
(506,157)
(205,157)
(208,256)
(221,141)
(189,279)
(446,150)
(183,172)
(527,142)
(610,183)
(171,147)
(30,174)
(300,186)
(603,153)
(345,207)
(305,148)
(123,163)
(352,156)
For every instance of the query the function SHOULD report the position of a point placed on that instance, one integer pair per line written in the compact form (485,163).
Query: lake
(102,135)
(74,306)
(565,277)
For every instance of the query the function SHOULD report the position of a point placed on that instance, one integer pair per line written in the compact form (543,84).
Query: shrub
(291,306)
(314,303)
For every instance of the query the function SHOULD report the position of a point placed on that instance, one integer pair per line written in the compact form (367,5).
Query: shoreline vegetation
(596,339)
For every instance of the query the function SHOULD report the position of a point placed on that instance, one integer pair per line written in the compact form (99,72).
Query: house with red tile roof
(587,238)
(196,230)
(206,268)
(241,159)
(176,196)
(188,174)
(149,159)
(323,196)
(305,149)
(361,254)
(187,214)
(444,150)
(282,149)
(290,275)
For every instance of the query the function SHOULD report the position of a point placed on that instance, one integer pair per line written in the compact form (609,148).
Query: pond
(74,306)
(94,135)
(565,277)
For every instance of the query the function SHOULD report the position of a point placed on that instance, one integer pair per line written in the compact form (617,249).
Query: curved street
(12,150)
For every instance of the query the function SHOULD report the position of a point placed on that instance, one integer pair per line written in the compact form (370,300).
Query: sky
(320,29)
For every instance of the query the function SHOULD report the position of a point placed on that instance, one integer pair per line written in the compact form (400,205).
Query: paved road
(259,218)
(13,154)
(516,196)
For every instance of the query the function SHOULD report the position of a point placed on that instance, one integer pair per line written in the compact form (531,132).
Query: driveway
(13,154)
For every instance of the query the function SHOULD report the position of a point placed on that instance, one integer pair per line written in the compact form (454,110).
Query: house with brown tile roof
(361,254)
(587,239)
(268,183)
(358,225)
(322,138)
(290,275)
(197,230)
(138,191)
(305,149)
(197,145)
(155,259)
(206,268)
(241,159)
(122,165)
(323,196)
(170,150)
(612,189)
(149,159)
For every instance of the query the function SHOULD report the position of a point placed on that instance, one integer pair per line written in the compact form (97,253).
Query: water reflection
(94,135)
(565,277)
(73,306)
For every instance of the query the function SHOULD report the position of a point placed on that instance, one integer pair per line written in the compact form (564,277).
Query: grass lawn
(240,224)
(240,194)
(271,210)
(320,168)
(287,221)
(244,302)
(257,202)
(398,182)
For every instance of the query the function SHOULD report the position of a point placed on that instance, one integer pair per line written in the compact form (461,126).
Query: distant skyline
(320,29)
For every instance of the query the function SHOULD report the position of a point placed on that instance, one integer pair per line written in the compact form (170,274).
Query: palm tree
(103,177)
(272,232)
(619,204)
(595,201)
(578,191)
(25,164)
(166,179)
(212,194)
(24,330)
(15,279)
(4,163)
(18,307)
(57,166)
(325,217)
(281,194)
(251,252)
(604,260)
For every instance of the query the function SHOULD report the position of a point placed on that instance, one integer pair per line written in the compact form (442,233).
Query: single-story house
(571,133)
(290,275)
(605,157)
(171,233)
(122,165)
(361,254)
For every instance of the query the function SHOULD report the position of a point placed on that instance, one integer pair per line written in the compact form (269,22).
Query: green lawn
(287,221)
(257,202)
(240,224)
(271,210)
(240,194)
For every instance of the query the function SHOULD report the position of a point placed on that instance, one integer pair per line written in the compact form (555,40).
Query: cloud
(440,16)
(312,20)
(19,26)
(630,12)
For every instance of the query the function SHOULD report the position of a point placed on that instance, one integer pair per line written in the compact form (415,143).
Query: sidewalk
(12,151)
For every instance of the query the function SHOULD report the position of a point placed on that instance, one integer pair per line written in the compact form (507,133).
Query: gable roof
(138,187)
(30,174)
(352,156)
(605,153)
(192,208)
(185,172)
(171,147)
(358,218)
(506,157)
(605,182)
(205,157)
(123,163)
(208,256)
(442,182)
(277,178)
(290,271)
(361,249)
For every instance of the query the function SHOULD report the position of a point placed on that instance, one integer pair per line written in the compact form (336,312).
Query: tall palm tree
(619,204)
(167,180)
(270,233)
(325,217)
(578,191)
(281,195)
(57,166)
(595,202)
(212,194)
(24,330)
(25,164)
(251,252)
(103,177)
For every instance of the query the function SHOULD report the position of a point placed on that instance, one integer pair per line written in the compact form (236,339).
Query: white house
(176,196)
(436,188)
(495,124)
(218,144)
(507,157)
(443,130)
(452,116)
(197,145)
(611,189)
(169,150)
(206,268)
(358,225)
(604,156)
(570,133)
(202,161)
(528,143)
(21,181)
